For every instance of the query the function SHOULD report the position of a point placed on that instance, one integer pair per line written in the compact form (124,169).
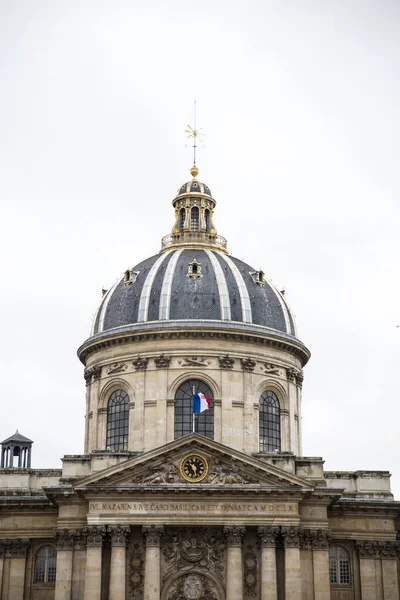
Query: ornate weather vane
(194,133)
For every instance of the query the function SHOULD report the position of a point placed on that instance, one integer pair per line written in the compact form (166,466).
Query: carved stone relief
(228,473)
(16,548)
(117,368)
(161,473)
(248,364)
(271,369)
(140,363)
(192,587)
(373,549)
(94,372)
(250,570)
(162,362)
(226,362)
(194,548)
(194,361)
(136,571)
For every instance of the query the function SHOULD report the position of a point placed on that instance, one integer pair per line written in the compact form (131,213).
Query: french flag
(200,403)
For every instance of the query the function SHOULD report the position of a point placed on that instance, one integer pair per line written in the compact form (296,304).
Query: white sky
(300,104)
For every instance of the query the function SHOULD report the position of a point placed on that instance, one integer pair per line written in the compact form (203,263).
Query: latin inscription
(173,508)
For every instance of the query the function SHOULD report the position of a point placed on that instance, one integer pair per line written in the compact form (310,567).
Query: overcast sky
(300,105)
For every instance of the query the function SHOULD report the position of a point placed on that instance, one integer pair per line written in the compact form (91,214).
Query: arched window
(270,422)
(207,219)
(45,565)
(339,565)
(118,421)
(194,219)
(182,218)
(204,422)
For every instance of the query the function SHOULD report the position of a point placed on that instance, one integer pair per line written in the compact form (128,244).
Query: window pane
(118,421)
(204,422)
(269,423)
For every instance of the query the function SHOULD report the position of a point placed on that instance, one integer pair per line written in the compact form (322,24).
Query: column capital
(234,535)
(291,536)
(94,535)
(16,548)
(2,548)
(65,539)
(316,539)
(267,536)
(374,549)
(152,534)
(119,534)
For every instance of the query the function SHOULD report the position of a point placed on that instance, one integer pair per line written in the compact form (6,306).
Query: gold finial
(194,171)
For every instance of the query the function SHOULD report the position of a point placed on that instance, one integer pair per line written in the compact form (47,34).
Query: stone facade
(147,513)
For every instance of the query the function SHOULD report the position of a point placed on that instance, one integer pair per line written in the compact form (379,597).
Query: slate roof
(163,290)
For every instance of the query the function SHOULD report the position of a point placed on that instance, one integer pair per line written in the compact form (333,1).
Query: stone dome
(193,284)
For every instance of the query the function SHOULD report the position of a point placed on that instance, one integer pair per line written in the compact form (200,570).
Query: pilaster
(291,538)
(118,536)
(152,564)
(65,552)
(373,554)
(267,541)
(317,540)
(234,562)
(16,550)
(94,547)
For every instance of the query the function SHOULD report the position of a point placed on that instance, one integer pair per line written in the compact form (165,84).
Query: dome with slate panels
(164,288)
(194,283)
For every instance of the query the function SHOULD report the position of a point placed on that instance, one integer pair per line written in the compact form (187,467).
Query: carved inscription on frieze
(199,508)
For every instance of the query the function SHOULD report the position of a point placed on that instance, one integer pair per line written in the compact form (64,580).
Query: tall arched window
(207,219)
(182,215)
(270,422)
(118,421)
(194,219)
(45,565)
(339,565)
(204,422)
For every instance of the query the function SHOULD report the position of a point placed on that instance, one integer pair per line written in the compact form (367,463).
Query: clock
(194,467)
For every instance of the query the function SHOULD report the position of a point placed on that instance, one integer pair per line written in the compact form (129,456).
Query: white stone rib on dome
(145,295)
(222,287)
(244,294)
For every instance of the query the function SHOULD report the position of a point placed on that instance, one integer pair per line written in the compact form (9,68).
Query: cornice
(194,329)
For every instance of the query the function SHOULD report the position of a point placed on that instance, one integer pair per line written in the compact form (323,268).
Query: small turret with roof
(18,446)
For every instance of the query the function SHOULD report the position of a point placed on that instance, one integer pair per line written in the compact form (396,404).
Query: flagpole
(193,414)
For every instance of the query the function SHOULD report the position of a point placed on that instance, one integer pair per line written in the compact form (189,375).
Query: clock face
(194,467)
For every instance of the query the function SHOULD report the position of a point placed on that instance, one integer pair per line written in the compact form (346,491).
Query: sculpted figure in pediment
(228,473)
(167,473)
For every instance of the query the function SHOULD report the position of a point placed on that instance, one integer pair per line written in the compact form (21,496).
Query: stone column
(383,556)
(317,540)
(94,548)
(234,562)
(65,554)
(79,564)
(118,562)
(291,537)
(267,538)
(16,550)
(152,561)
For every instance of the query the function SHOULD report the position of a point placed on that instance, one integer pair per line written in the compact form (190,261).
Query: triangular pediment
(165,467)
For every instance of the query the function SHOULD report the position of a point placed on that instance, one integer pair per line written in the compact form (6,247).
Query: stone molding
(140,363)
(119,534)
(94,535)
(16,548)
(315,539)
(234,536)
(153,534)
(162,362)
(291,536)
(267,536)
(373,549)
(65,539)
